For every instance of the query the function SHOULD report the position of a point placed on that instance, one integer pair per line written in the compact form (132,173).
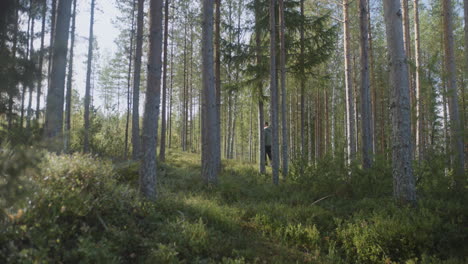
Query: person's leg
(268,152)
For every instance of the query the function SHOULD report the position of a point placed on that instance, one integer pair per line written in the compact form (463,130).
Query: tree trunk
(13,84)
(153,95)
(403,181)
(261,114)
(456,128)
(55,95)
(87,98)
(350,126)
(31,58)
(274,95)
(209,123)
(366,114)
(171,91)
(218,77)
(53,17)
(284,149)
(136,83)
(41,61)
(373,83)
(162,148)
(129,79)
(419,105)
(303,80)
(68,99)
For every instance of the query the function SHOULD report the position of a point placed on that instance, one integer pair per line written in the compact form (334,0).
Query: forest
(233,131)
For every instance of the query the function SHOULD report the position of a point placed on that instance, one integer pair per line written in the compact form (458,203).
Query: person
(267,132)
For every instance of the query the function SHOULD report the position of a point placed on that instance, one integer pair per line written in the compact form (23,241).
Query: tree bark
(350,114)
(274,95)
(53,16)
(148,169)
(129,78)
(456,128)
(68,98)
(13,84)
(162,148)
(403,181)
(218,76)
(366,113)
(41,61)
(136,83)
(419,105)
(55,95)
(284,149)
(209,122)
(87,99)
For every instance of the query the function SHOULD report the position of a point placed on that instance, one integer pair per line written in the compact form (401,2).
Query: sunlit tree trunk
(87,99)
(136,83)
(209,122)
(403,181)
(350,118)
(274,95)
(373,83)
(284,148)
(419,105)
(31,58)
(70,81)
(162,148)
(366,114)
(41,61)
(129,80)
(259,90)
(55,95)
(303,80)
(53,16)
(218,77)
(148,167)
(456,128)
(12,85)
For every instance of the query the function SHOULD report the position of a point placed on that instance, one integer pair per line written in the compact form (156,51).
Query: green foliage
(88,210)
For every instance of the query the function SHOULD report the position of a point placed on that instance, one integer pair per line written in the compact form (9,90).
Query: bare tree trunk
(218,77)
(403,181)
(373,83)
(13,84)
(456,128)
(209,123)
(366,113)
(284,148)
(303,80)
(31,58)
(136,83)
(171,91)
(274,95)
(419,105)
(407,43)
(129,80)
(23,93)
(53,16)
(148,167)
(261,115)
(87,98)
(41,61)
(162,148)
(70,81)
(55,95)
(350,125)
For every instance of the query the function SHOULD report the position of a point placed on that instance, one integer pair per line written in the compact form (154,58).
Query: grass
(89,211)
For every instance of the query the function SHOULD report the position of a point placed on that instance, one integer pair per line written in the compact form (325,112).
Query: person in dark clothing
(267,132)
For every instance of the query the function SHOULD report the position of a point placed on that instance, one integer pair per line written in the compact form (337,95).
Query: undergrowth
(87,210)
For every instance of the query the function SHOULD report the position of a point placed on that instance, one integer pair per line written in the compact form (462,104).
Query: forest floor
(88,210)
